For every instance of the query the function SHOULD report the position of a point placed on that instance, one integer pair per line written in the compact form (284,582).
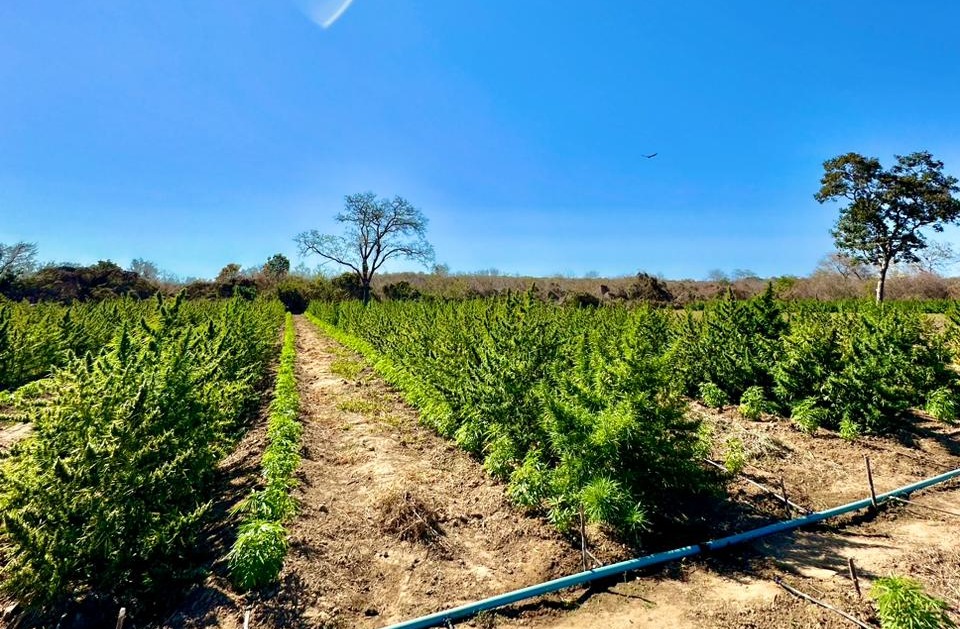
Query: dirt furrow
(395,522)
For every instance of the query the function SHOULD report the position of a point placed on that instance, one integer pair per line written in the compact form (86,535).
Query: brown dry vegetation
(822,285)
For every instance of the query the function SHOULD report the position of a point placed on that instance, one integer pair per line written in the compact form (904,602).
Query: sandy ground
(737,589)
(12,433)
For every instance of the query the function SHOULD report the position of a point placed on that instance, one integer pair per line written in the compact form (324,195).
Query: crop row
(257,555)
(110,493)
(36,338)
(584,410)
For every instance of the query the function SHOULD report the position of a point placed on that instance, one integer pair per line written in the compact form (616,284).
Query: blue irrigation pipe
(464,611)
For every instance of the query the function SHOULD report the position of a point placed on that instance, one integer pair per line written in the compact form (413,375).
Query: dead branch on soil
(781,495)
(756,445)
(822,604)
(917,504)
(407,518)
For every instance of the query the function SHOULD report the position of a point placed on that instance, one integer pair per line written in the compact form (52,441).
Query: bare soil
(367,461)
(359,555)
(12,433)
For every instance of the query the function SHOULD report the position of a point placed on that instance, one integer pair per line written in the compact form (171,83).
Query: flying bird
(650,155)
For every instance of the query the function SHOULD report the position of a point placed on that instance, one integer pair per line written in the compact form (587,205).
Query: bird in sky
(650,155)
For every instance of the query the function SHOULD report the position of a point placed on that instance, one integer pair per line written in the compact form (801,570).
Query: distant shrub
(400,291)
(649,288)
(349,284)
(244,291)
(293,294)
(581,299)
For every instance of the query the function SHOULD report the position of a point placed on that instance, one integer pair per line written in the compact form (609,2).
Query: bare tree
(377,230)
(145,268)
(18,258)
(843,265)
(936,258)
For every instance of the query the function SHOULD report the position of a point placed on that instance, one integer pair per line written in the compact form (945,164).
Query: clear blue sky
(195,133)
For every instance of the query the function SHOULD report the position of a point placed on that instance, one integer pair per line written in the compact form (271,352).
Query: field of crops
(35,338)
(583,415)
(132,405)
(582,411)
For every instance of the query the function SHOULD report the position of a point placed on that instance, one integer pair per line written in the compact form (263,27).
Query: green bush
(293,294)
(753,403)
(902,604)
(811,353)
(734,344)
(110,492)
(574,408)
(889,361)
(850,430)
(807,416)
(257,556)
(712,395)
(942,405)
(735,458)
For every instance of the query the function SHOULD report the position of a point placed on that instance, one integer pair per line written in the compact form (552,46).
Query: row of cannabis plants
(36,338)
(858,371)
(583,410)
(261,545)
(109,494)
(573,411)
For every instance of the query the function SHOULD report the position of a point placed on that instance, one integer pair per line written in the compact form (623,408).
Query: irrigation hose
(445,618)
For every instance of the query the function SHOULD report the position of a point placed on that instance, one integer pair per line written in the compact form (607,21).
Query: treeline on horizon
(831,282)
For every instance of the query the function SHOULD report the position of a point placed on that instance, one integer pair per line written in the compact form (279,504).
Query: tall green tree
(376,230)
(888,210)
(277,266)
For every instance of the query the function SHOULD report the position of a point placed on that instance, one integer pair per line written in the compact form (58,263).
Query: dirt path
(9,435)
(366,460)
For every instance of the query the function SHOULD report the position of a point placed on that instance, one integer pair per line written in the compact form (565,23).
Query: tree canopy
(888,210)
(376,230)
(277,266)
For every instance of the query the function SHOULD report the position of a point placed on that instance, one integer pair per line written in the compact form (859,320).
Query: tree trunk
(881,280)
(366,292)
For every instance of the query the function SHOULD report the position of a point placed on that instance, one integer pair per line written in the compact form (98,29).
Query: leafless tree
(843,265)
(377,230)
(18,258)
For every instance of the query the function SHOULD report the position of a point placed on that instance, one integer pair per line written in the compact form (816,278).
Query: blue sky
(195,133)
